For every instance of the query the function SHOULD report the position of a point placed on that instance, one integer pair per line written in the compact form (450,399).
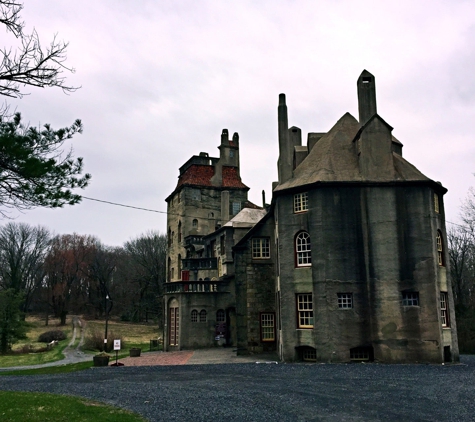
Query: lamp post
(107,298)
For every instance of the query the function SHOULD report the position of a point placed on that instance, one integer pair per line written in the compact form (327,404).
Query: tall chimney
(366,96)
(284,164)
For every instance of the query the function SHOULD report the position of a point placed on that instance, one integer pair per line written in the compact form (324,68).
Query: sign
(116,344)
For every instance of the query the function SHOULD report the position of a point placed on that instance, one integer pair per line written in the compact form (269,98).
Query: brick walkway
(194,357)
(158,358)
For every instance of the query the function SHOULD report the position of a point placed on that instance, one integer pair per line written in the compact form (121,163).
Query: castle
(347,263)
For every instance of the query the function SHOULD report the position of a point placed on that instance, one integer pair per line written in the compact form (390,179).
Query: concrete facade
(348,263)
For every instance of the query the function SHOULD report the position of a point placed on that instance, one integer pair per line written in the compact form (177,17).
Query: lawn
(131,334)
(41,407)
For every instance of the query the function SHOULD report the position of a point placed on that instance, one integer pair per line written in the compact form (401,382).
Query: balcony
(199,263)
(196,287)
(194,240)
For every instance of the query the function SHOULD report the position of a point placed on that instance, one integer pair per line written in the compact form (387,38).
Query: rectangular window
(174,319)
(444,309)
(222,245)
(410,298)
(436,203)
(345,300)
(236,208)
(260,248)
(300,202)
(268,326)
(304,310)
(196,194)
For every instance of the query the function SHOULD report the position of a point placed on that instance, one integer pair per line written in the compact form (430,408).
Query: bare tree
(31,64)
(148,254)
(22,252)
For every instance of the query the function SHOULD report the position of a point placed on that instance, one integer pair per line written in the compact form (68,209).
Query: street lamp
(107,310)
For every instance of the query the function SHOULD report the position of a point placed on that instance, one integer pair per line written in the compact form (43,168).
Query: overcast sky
(161,79)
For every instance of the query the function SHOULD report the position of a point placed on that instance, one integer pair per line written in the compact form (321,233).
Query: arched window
(179,232)
(203,316)
(440,249)
(169,236)
(195,223)
(303,257)
(179,266)
(220,316)
(194,315)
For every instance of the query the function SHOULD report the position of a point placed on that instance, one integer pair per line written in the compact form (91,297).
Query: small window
(345,300)
(304,310)
(260,248)
(194,315)
(309,354)
(203,316)
(196,194)
(195,223)
(300,202)
(171,239)
(173,273)
(220,316)
(410,298)
(444,309)
(303,250)
(268,326)
(361,354)
(179,232)
(236,207)
(440,249)
(222,245)
(436,203)
(231,153)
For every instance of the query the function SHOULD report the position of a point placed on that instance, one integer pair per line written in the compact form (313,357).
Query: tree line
(77,274)
(461,246)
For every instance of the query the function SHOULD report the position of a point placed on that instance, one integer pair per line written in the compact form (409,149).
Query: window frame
(444,310)
(203,316)
(220,315)
(440,249)
(194,316)
(303,250)
(304,304)
(269,319)
(345,300)
(262,251)
(436,203)
(300,202)
(410,299)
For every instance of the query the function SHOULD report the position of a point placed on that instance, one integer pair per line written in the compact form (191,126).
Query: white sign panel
(116,344)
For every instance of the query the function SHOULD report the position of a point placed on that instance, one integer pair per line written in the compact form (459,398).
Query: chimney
(366,97)
(284,164)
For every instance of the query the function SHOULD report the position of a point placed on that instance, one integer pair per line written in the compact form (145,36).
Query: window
(195,223)
(309,354)
(260,248)
(236,207)
(174,318)
(345,300)
(410,298)
(362,354)
(196,194)
(268,326)
(304,310)
(222,245)
(173,273)
(171,239)
(302,250)
(179,265)
(220,316)
(179,232)
(444,309)
(169,236)
(436,203)
(440,249)
(194,315)
(300,202)
(203,316)
(231,154)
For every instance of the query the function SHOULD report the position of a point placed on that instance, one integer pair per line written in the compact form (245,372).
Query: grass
(51,370)
(41,407)
(133,335)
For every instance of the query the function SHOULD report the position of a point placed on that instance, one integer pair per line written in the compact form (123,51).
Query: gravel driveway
(274,392)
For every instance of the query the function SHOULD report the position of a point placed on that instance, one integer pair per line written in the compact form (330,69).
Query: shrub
(95,341)
(50,336)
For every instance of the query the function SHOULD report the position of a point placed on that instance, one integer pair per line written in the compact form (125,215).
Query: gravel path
(274,392)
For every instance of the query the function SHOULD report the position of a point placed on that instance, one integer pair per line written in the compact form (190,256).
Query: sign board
(116,344)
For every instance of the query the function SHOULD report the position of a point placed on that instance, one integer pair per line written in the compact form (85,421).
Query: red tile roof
(231,178)
(200,175)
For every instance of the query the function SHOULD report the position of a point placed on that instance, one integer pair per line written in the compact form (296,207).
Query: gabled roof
(334,158)
(247,217)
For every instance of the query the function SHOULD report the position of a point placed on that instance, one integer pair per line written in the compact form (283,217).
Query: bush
(95,341)
(50,336)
